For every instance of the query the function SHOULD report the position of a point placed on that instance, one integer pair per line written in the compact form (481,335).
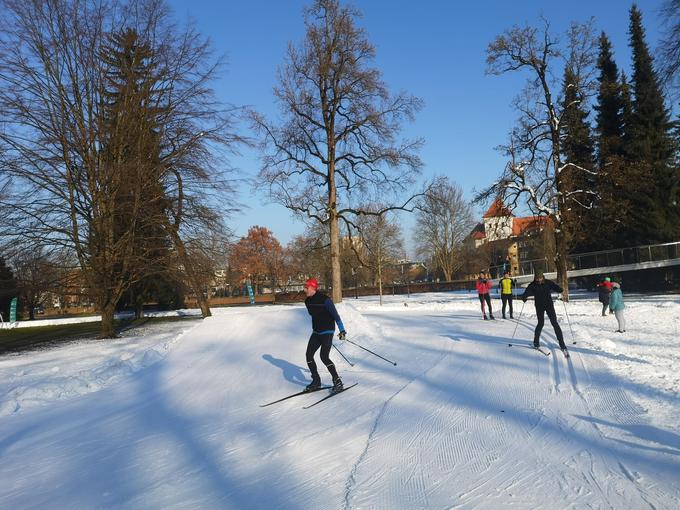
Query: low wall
(230,301)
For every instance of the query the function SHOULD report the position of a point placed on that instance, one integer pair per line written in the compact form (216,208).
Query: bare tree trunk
(335,262)
(447,274)
(380,291)
(139,309)
(107,329)
(336,275)
(194,282)
(561,262)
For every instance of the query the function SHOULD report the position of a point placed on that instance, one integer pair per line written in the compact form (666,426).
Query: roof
(497,210)
(522,226)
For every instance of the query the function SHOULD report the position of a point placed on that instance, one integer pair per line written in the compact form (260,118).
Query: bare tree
(38,277)
(337,142)
(83,173)
(670,45)
(444,220)
(536,169)
(381,243)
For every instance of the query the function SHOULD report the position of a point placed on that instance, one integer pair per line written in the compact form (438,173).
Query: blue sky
(435,50)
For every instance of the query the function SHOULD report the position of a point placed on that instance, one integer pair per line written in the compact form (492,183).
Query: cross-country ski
(539,349)
(303,392)
(331,393)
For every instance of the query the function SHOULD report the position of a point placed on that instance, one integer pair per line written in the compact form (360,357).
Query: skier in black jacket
(541,288)
(324,316)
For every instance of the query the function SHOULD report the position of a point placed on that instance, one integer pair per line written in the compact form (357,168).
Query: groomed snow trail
(463,421)
(501,426)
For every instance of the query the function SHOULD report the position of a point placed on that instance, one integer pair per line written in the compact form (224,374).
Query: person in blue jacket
(616,305)
(324,317)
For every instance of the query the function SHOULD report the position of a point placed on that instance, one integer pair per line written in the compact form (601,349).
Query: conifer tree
(608,221)
(578,150)
(608,119)
(627,117)
(131,115)
(651,143)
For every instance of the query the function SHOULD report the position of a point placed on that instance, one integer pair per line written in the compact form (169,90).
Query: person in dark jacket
(324,317)
(540,289)
(604,290)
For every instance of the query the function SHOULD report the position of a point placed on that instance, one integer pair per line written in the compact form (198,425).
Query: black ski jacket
(324,314)
(541,292)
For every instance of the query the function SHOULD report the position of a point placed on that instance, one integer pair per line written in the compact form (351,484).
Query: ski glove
(342,335)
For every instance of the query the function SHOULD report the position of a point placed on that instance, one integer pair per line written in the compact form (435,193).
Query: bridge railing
(605,258)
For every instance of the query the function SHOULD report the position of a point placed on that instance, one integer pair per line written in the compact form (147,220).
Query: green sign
(13,310)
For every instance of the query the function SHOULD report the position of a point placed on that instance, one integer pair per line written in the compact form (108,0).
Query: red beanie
(312,282)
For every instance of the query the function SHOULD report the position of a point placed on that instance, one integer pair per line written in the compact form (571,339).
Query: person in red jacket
(484,285)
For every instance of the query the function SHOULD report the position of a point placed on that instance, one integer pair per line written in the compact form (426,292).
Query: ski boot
(313,386)
(337,385)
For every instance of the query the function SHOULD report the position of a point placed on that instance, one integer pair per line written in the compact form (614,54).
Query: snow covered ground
(169,417)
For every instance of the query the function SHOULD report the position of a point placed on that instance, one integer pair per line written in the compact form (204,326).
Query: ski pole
(517,323)
(573,338)
(368,350)
(343,356)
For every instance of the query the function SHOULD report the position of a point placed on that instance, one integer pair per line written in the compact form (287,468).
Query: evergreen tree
(627,113)
(609,107)
(578,151)
(651,143)
(608,221)
(132,125)
(8,288)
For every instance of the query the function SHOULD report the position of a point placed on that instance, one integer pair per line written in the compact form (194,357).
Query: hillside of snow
(171,418)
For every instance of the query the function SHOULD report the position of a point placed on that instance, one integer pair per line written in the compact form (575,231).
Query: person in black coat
(324,317)
(540,289)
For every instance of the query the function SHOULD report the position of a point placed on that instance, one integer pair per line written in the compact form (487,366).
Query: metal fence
(591,260)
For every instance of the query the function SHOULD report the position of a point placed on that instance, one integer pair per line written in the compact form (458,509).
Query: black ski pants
(548,308)
(325,342)
(507,299)
(485,298)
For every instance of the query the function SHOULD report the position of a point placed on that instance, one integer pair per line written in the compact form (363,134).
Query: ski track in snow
(439,442)
(463,421)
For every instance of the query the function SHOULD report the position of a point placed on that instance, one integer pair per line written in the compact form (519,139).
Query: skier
(483,288)
(506,286)
(541,288)
(616,305)
(324,316)
(604,290)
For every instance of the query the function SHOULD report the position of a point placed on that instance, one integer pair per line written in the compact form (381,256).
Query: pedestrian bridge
(605,262)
